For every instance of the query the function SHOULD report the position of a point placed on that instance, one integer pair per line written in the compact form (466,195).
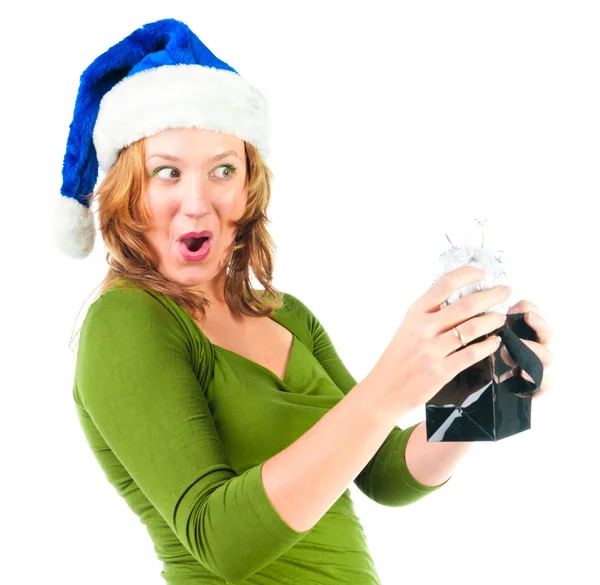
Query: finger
(472,329)
(446,286)
(523,306)
(545,385)
(544,353)
(543,331)
(534,319)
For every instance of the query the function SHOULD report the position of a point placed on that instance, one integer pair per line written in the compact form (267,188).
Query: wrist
(384,398)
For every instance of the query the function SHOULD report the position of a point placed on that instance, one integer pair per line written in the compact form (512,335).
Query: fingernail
(531,316)
(513,310)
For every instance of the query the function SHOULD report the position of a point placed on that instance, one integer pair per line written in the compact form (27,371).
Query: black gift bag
(481,402)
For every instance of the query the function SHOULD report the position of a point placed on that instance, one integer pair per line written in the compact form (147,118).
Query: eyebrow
(176,159)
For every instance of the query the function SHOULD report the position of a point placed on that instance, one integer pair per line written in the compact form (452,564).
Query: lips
(194,240)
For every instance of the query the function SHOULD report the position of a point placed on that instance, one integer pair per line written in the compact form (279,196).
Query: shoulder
(295,306)
(145,325)
(127,309)
(123,299)
(307,325)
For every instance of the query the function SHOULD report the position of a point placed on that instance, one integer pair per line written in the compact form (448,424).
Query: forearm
(304,480)
(432,463)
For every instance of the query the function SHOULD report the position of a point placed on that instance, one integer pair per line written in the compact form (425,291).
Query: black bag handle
(523,356)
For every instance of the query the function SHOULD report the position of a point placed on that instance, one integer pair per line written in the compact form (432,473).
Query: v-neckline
(260,366)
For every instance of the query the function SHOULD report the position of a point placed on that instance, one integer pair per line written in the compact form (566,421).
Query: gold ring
(463,341)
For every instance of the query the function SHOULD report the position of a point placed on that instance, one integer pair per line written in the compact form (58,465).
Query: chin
(189,277)
(189,274)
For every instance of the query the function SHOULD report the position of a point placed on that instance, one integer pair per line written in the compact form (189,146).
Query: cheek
(237,205)
(160,209)
(228,207)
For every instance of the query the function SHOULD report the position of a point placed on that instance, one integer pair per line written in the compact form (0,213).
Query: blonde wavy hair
(123,219)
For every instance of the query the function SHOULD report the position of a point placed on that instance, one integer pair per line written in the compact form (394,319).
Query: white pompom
(74,227)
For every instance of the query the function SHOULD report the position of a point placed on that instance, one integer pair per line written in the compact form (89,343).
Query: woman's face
(191,187)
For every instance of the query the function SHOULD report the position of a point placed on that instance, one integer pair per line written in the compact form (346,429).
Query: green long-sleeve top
(182,427)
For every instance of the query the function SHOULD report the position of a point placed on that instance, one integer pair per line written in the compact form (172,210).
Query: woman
(222,414)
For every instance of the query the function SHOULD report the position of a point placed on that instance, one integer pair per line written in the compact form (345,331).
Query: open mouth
(194,244)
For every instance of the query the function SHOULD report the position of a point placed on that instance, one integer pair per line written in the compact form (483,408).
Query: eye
(165,173)
(227,170)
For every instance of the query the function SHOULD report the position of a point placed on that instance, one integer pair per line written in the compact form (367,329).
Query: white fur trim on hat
(74,227)
(179,96)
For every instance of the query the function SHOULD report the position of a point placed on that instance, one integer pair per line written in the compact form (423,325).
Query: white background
(390,122)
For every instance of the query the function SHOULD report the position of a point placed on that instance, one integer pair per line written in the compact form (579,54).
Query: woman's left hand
(540,347)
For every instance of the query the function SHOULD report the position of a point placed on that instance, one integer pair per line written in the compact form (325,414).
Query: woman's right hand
(425,354)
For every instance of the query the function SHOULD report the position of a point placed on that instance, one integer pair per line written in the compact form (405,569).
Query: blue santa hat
(161,76)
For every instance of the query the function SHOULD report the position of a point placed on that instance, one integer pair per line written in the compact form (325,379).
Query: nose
(197,195)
